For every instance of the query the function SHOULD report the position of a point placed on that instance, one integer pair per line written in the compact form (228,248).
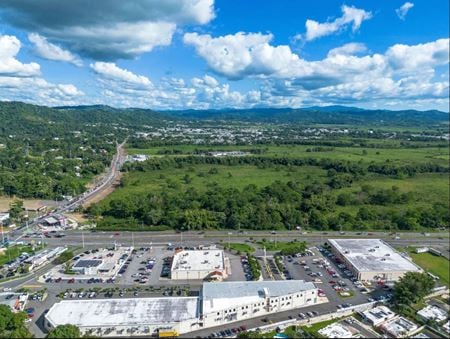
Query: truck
(168,334)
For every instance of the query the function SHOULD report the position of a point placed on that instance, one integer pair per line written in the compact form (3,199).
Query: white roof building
(433,312)
(198,264)
(219,304)
(378,315)
(399,327)
(336,331)
(372,259)
(219,296)
(145,314)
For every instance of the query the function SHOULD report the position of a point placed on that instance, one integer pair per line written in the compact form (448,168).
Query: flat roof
(86,263)
(222,295)
(123,312)
(198,260)
(372,255)
(433,312)
(379,314)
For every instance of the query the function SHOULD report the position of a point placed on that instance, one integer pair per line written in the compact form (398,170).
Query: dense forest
(280,205)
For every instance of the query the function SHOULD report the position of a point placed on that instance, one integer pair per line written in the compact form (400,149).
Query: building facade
(371,259)
(199,265)
(227,302)
(219,303)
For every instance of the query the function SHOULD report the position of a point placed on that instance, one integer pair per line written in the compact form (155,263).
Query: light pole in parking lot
(82,238)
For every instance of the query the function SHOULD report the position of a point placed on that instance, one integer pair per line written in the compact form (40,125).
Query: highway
(104,183)
(92,239)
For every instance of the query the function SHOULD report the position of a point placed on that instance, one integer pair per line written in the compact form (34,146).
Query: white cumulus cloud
(348,49)
(50,51)
(241,54)
(9,65)
(350,16)
(21,81)
(403,10)
(111,71)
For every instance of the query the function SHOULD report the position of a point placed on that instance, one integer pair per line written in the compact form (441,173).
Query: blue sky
(178,54)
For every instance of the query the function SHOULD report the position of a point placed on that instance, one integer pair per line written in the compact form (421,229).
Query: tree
(15,209)
(64,331)
(12,324)
(412,288)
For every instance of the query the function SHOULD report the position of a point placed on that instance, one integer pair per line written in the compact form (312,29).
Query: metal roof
(123,312)
(372,255)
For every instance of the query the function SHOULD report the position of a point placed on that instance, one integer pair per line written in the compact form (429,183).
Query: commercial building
(87,266)
(126,317)
(378,315)
(432,312)
(43,257)
(226,302)
(372,259)
(218,304)
(199,265)
(16,301)
(399,328)
(336,330)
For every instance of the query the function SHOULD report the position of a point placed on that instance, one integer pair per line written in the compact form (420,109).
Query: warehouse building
(226,302)
(126,317)
(199,265)
(372,259)
(218,304)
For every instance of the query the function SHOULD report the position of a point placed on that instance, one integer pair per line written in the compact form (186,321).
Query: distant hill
(16,114)
(20,115)
(321,115)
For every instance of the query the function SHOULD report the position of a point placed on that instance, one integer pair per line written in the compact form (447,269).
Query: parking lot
(341,290)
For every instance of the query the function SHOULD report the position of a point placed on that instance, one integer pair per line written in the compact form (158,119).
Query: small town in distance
(224,169)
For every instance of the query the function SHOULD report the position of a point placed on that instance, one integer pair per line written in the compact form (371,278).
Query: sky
(215,54)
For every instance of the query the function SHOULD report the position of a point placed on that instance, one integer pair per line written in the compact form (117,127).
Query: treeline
(197,151)
(47,154)
(277,206)
(341,166)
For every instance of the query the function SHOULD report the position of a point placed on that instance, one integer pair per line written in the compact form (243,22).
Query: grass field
(427,188)
(439,266)
(314,329)
(435,155)
(227,176)
(272,245)
(243,248)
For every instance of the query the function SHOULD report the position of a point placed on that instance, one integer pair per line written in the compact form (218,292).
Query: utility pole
(82,238)
(132,239)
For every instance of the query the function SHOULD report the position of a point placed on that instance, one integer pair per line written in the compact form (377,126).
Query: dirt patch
(103,193)
(79,217)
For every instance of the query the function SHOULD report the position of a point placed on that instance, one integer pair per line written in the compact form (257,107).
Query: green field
(243,248)
(227,176)
(438,266)
(342,193)
(435,155)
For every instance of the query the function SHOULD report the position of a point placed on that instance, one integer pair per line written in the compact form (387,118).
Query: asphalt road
(439,240)
(104,183)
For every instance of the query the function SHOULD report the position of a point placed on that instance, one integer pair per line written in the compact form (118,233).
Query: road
(92,239)
(105,182)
